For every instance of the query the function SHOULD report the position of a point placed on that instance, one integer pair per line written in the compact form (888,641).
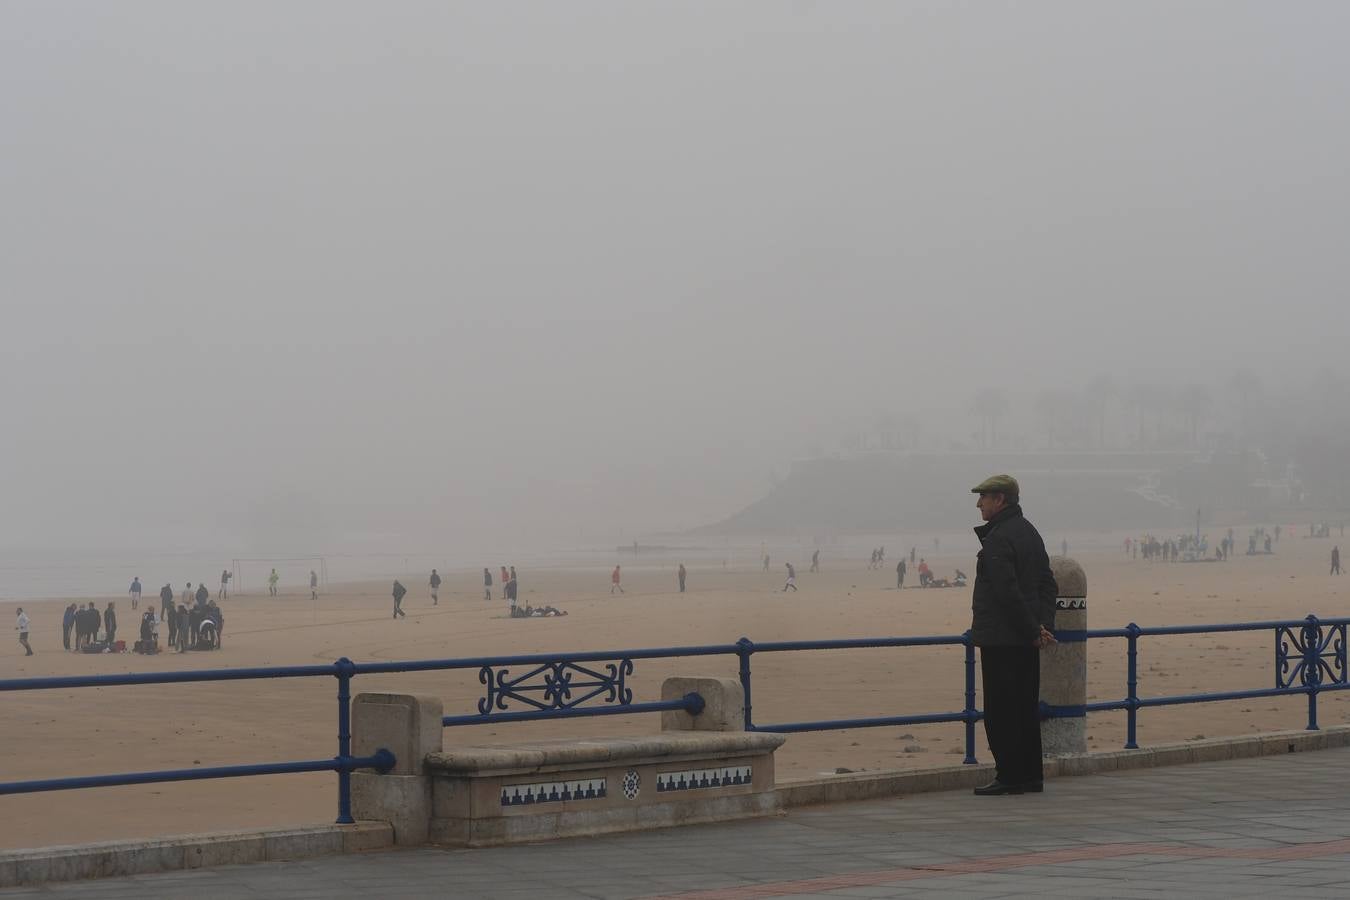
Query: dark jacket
(203,594)
(110,620)
(165,595)
(1014,588)
(399,591)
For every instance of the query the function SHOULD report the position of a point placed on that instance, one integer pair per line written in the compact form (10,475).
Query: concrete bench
(499,794)
(503,793)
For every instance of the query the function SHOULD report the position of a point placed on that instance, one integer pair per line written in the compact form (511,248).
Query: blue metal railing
(1317,663)
(1310,657)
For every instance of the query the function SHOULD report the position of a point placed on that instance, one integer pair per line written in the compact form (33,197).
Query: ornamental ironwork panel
(556,685)
(1309,655)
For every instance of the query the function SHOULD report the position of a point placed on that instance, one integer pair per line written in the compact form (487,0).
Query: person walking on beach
(1336,560)
(681,574)
(135,592)
(224,592)
(435,583)
(313,585)
(166,596)
(187,598)
(399,591)
(110,623)
(67,624)
(815,561)
(766,562)
(487,584)
(184,634)
(81,627)
(272,583)
(21,625)
(791,579)
(175,623)
(900,574)
(504,579)
(1013,610)
(614,583)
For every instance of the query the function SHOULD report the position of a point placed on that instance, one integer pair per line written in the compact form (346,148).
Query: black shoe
(996,787)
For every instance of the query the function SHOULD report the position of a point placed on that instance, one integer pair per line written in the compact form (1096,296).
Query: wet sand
(105,730)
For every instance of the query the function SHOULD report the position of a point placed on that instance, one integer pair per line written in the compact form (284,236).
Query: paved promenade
(1257,827)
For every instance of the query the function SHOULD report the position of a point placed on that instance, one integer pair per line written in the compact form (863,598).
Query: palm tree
(1098,393)
(1195,403)
(1247,385)
(989,404)
(1053,410)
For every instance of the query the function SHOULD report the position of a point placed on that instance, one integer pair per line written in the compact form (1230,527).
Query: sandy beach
(95,731)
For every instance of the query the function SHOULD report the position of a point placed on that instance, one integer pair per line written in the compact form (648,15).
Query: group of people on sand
(84,623)
(195,623)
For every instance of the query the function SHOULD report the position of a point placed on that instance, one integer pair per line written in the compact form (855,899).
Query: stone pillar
(723,704)
(410,727)
(1064,665)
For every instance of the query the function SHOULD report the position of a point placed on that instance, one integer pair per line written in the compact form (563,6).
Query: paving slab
(1238,828)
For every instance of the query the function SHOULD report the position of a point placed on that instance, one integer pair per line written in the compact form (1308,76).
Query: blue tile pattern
(553,792)
(698,779)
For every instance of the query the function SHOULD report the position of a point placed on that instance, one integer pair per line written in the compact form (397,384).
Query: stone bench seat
(500,793)
(569,755)
(699,768)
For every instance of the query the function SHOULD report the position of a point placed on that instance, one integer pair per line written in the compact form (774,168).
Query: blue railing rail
(1310,657)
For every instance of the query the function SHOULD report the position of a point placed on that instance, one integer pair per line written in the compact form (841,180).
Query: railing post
(1132,686)
(744,647)
(970,710)
(1312,673)
(343,669)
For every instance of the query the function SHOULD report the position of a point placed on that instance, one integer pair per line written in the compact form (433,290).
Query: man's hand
(1044,639)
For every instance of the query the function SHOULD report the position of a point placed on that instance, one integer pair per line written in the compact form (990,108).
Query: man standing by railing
(1014,608)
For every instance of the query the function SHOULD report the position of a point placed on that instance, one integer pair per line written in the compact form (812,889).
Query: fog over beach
(565,275)
(371,289)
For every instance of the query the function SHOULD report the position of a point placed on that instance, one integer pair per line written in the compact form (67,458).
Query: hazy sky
(276,275)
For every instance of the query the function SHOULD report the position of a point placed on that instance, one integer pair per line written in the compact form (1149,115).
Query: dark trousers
(112,634)
(1012,720)
(65,636)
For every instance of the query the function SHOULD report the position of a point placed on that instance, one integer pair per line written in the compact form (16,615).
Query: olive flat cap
(998,484)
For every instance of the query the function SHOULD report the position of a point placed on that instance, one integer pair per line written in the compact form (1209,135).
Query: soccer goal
(293,570)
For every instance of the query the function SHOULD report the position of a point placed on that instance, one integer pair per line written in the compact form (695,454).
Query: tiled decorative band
(697,779)
(553,792)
